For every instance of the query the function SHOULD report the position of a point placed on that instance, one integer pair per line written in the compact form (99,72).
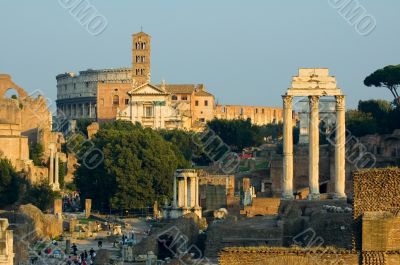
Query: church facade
(128,94)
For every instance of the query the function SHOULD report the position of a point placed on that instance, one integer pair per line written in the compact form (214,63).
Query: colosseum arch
(6,83)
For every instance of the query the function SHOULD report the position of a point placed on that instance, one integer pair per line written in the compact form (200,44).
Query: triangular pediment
(147,89)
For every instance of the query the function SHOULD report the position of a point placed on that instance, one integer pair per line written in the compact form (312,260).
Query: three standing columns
(287,178)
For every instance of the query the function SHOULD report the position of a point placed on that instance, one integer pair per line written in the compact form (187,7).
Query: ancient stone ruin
(313,83)
(25,119)
(6,243)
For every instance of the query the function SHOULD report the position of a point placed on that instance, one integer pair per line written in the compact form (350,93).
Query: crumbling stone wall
(284,256)
(262,206)
(29,224)
(183,230)
(375,190)
(257,231)
(302,217)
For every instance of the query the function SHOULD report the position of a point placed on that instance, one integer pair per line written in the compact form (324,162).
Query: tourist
(100,244)
(91,253)
(86,254)
(74,249)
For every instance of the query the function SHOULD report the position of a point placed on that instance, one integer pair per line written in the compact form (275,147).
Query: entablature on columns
(313,82)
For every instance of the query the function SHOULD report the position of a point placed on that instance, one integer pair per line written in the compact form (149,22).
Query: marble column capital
(287,101)
(314,101)
(340,102)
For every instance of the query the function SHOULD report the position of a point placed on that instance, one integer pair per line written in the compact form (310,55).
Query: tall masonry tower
(141,58)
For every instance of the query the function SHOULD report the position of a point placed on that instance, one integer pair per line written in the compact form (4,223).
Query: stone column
(56,172)
(313,159)
(192,192)
(90,109)
(51,165)
(88,207)
(181,192)
(58,207)
(185,195)
(340,149)
(174,201)
(287,180)
(197,192)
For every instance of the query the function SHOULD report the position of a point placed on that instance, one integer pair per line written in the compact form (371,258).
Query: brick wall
(262,206)
(375,190)
(279,256)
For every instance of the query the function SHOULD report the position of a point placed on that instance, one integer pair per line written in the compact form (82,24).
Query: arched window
(11,93)
(174,97)
(115,100)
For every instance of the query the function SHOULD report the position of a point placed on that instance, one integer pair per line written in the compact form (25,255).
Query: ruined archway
(6,84)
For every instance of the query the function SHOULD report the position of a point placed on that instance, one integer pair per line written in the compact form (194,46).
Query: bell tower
(140,58)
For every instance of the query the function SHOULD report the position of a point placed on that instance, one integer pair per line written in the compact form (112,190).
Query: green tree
(137,168)
(82,124)
(379,111)
(238,133)
(36,153)
(183,143)
(360,123)
(9,183)
(388,77)
(41,195)
(61,173)
(272,131)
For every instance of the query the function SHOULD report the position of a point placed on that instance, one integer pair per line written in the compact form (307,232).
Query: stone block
(88,207)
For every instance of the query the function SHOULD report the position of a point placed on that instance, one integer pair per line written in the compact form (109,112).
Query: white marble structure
(313,83)
(186,194)
(53,167)
(151,106)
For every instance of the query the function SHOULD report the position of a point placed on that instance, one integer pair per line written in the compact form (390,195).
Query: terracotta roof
(179,89)
(202,93)
(141,33)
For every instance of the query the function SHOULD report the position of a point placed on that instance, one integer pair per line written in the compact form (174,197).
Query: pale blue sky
(245,52)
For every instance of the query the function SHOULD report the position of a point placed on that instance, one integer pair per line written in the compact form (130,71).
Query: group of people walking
(84,258)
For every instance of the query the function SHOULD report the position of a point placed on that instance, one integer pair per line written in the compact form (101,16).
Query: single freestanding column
(313,167)
(340,150)
(174,202)
(56,172)
(197,192)
(287,181)
(51,166)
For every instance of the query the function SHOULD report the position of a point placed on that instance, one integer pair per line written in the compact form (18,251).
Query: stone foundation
(282,256)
